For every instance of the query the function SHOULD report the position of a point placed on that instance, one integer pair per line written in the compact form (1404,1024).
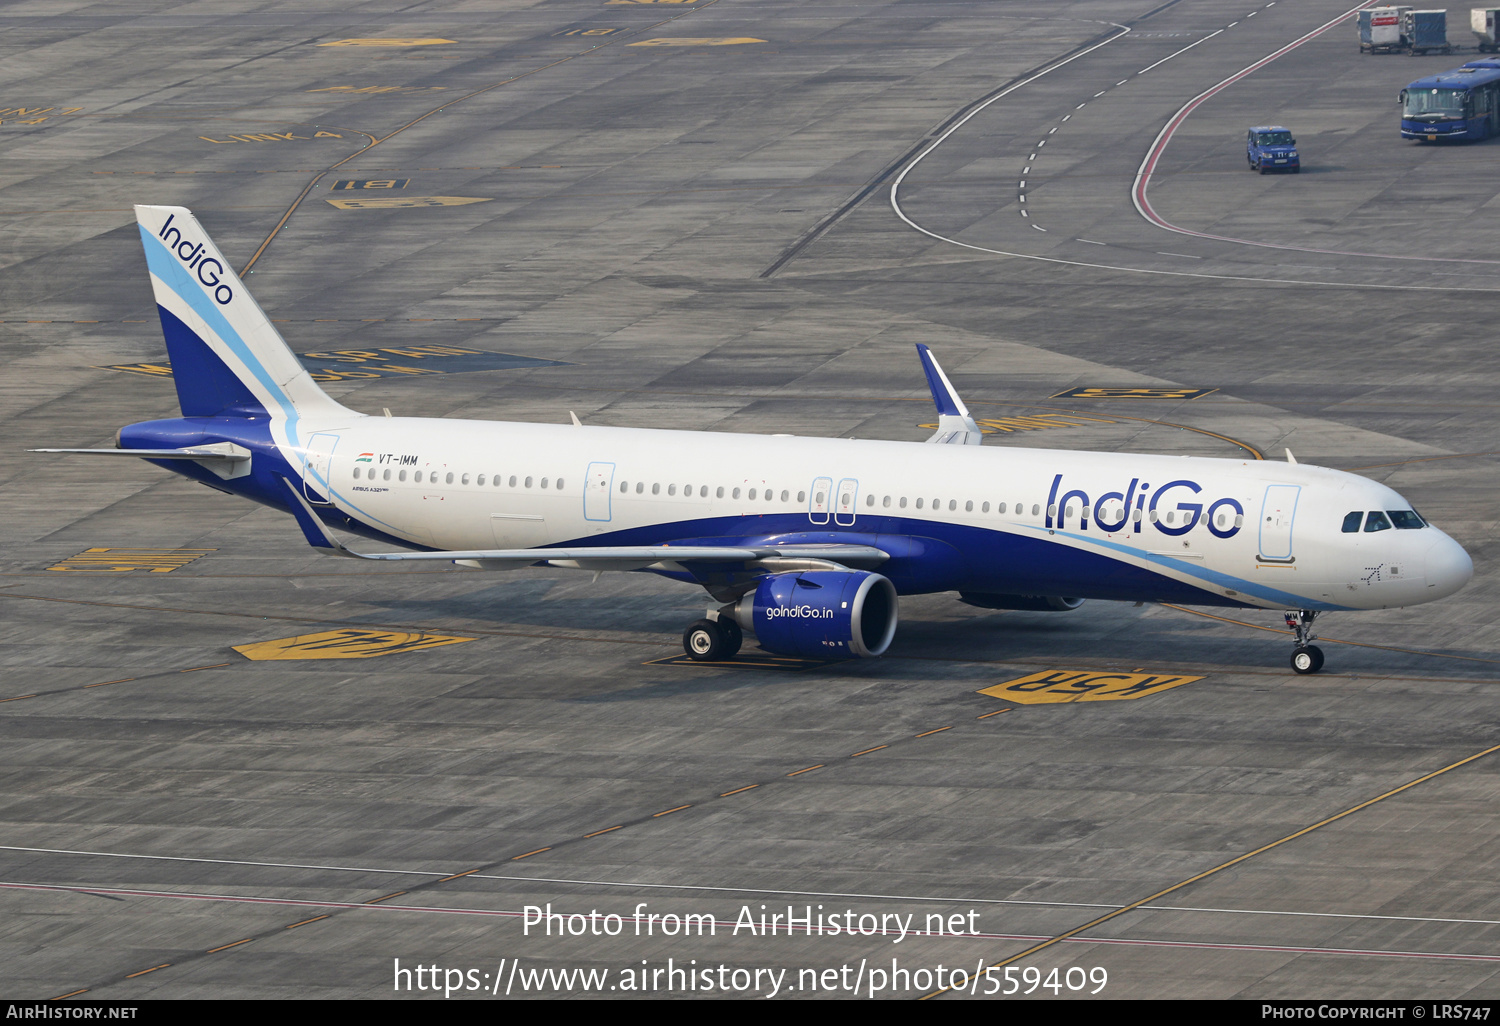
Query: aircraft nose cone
(1449,568)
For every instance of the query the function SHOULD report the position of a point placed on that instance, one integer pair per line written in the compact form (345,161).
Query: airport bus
(1460,104)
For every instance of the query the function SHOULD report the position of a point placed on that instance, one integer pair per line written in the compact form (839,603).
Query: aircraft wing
(955,426)
(601,557)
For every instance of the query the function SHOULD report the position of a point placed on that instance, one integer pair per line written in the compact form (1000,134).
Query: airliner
(804,543)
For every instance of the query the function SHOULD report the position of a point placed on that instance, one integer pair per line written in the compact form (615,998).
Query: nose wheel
(1306,657)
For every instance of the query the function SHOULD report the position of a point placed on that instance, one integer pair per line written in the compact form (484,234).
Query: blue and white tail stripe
(222,341)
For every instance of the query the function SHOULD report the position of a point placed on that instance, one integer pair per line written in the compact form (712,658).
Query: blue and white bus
(1460,104)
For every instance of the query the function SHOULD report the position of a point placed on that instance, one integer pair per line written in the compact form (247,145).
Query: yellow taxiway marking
(314,919)
(72,993)
(737,790)
(143,972)
(668,812)
(867,751)
(387,42)
(119,561)
(531,853)
(939,730)
(348,643)
(698,41)
(372,90)
(264,137)
(606,830)
(226,947)
(1134,393)
(1051,686)
(798,773)
(391,202)
(455,876)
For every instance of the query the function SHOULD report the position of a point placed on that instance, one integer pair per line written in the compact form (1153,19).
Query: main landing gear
(710,641)
(1306,657)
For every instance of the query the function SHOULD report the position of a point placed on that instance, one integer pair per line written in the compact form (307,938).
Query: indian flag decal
(365,457)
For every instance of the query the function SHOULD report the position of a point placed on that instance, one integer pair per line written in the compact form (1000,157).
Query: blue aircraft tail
(227,359)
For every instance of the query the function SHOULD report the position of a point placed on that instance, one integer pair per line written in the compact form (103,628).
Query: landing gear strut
(712,640)
(1306,657)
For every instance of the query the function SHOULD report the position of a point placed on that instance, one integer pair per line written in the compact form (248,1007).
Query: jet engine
(821,614)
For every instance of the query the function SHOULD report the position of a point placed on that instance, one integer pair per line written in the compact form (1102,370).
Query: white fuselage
(996,519)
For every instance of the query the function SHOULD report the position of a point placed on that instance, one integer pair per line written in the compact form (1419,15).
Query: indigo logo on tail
(209,271)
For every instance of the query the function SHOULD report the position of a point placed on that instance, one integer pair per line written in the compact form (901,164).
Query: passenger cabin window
(1352,521)
(719,492)
(1377,521)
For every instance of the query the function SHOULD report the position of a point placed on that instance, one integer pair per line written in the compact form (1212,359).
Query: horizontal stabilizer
(225,459)
(955,426)
(228,452)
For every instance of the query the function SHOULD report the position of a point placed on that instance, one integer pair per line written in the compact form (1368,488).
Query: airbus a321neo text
(804,542)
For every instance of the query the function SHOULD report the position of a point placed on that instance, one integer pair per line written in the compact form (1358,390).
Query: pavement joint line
(296,203)
(1073,933)
(639,885)
(883,931)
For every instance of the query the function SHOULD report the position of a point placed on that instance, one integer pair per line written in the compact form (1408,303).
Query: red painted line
(1148,166)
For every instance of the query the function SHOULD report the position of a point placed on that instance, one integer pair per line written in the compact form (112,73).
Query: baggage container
(1485,21)
(1426,32)
(1380,29)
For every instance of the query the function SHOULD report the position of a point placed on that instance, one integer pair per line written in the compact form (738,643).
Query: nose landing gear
(1306,657)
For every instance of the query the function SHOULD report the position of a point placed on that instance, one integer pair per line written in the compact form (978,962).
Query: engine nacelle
(821,614)
(1036,603)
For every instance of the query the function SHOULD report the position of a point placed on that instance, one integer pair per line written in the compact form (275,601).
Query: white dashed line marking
(1185,256)
(1091,242)
(1185,49)
(1100,93)
(1067,116)
(1038,227)
(1232,24)
(1050,132)
(1082,105)
(1032,157)
(1026,170)
(1122,81)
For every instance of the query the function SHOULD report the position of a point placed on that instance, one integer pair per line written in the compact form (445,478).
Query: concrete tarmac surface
(681,215)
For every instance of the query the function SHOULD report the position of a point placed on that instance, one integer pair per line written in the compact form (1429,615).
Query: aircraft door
(848,493)
(597,491)
(821,499)
(317,464)
(1276,515)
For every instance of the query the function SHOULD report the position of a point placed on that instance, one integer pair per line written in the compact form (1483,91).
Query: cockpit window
(1377,521)
(1406,519)
(1353,520)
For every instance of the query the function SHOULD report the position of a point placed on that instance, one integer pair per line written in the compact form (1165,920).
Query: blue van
(1272,148)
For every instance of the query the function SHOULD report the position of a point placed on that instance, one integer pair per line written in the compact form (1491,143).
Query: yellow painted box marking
(1052,686)
(348,643)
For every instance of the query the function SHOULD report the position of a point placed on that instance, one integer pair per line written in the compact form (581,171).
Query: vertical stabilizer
(227,358)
